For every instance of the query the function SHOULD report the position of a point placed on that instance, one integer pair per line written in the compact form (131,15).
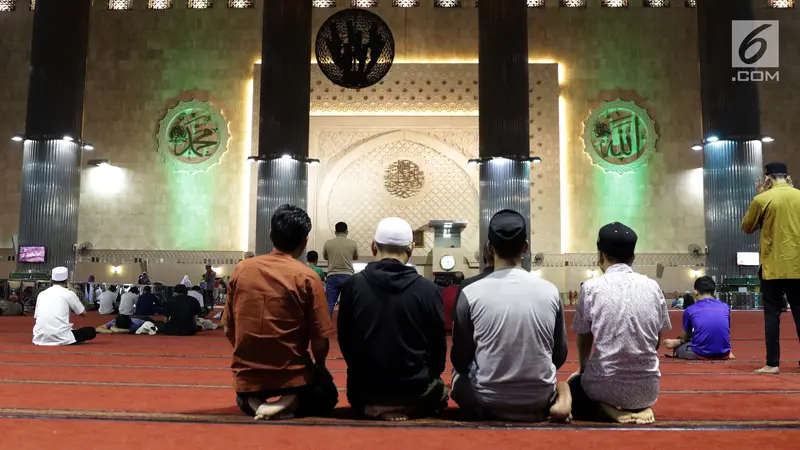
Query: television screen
(747,259)
(31,254)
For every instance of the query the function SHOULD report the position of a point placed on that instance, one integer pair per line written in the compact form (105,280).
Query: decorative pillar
(53,132)
(284,110)
(732,160)
(504,131)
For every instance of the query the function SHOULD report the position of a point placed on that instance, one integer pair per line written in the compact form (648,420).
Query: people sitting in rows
(181,313)
(11,307)
(127,305)
(706,326)
(148,304)
(53,307)
(123,324)
(622,315)
(276,307)
(312,258)
(107,301)
(391,332)
(449,299)
(340,252)
(509,337)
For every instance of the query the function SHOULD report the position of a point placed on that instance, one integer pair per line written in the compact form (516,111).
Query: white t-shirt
(197,296)
(626,312)
(52,316)
(106,301)
(127,306)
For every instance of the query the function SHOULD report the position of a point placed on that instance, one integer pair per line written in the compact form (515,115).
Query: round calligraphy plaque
(403,179)
(354,48)
(620,136)
(192,136)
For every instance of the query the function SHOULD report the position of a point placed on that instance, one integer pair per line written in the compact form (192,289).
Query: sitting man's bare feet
(768,370)
(283,408)
(387,413)
(628,417)
(672,343)
(561,411)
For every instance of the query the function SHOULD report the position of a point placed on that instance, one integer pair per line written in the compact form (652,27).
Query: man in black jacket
(391,332)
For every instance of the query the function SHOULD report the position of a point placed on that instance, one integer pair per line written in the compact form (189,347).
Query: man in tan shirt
(275,309)
(340,253)
(776,212)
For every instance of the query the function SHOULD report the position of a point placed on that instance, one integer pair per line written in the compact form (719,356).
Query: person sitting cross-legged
(276,307)
(622,315)
(509,337)
(706,326)
(391,332)
(52,314)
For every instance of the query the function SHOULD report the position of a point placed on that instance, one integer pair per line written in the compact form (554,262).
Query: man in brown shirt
(276,307)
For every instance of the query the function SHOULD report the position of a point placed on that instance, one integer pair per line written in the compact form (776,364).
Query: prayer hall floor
(158,392)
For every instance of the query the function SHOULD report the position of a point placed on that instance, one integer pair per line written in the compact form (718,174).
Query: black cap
(776,168)
(507,232)
(617,241)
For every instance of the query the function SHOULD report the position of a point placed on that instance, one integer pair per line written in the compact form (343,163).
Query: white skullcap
(60,274)
(394,231)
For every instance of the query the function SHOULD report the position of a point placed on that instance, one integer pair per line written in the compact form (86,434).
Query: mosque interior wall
(142,63)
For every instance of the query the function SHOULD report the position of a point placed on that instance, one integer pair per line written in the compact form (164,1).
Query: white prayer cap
(394,231)
(60,274)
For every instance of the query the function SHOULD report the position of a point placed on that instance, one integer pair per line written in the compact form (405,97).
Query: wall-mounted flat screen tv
(31,254)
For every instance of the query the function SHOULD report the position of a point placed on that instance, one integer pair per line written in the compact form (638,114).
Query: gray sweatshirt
(509,338)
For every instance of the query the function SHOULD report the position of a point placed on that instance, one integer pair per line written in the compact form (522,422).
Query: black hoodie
(391,332)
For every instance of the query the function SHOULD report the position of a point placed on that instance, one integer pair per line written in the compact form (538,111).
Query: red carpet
(171,392)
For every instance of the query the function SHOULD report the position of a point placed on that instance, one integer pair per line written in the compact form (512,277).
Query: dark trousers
(84,334)
(315,399)
(333,287)
(772,292)
(208,299)
(685,352)
(426,403)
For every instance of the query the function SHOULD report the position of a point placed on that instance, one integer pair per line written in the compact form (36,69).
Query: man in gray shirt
(509,337)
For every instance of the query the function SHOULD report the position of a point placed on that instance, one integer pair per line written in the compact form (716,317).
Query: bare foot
(768,370)
(387,413)
(672,343)
(730,356)
(283,408)
(622,416)
(561,411)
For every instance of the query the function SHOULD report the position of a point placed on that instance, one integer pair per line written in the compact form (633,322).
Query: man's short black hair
(312,257)
(196,288)
(391,249)
(148,289)
(112,288)
(341,227)
(134,290)
(123,322)
(180,289)
(459,277)
(705,285)
(290,226)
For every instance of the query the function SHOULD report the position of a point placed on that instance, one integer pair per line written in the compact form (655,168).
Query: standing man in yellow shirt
(776,212)
(340,252)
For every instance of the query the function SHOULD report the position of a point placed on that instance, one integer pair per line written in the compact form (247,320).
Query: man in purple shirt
(706,326)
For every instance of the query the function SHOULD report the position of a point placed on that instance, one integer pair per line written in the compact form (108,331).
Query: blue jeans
(333,287)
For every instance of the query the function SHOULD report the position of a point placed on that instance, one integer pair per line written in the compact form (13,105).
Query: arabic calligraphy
(620,136)
(403,179)
(192,136)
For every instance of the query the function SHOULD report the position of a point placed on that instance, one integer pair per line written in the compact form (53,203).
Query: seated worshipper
(449,298)
(276,307)
(107,301)
(197,294)
(391,332)
(121,325)
(127,306)
(148,303)
(509,337)
(622,314)
(11,307)
(181,312)
(52,314)
(312,258)
(706,326)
